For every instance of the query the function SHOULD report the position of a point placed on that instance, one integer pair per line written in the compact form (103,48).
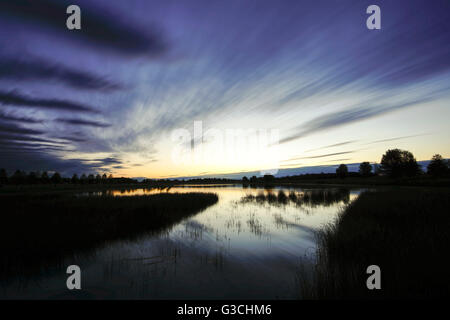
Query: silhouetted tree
(244,179)
(342,171)
(18,177)
(3,176)
(75,179)
(98,178)
(253,179)
(268,178)
(32,178)
(398,163)
(56,178)
(437,166)
(44,177)
(91,178)
(365,169)
(83,179)
(104,178)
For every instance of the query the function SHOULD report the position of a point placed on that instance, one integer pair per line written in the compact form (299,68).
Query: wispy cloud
(24,137)
(109,160)
(5,128)
(41,70)
(333,145)
(396,138)
(335,160)
(120,167)
(320,156)
(353,115)
(41,160)
(72,138)
(31,146)
(82,122)
(14,118)
(13,98)
(98,29)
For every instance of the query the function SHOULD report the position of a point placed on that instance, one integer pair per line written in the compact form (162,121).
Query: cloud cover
(139,69)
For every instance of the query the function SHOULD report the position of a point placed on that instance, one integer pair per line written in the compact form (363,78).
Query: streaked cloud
(14,98)
(5,128)
(333,145)
(98,27)
(21,137)
(341,118)
(140,69)
(40,70)
(396,138)
(320,156)
(82,122)
(14,118)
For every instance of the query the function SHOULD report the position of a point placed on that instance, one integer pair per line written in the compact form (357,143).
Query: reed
(40,228)
(404,232)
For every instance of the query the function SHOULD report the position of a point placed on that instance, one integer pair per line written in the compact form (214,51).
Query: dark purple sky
(106,98)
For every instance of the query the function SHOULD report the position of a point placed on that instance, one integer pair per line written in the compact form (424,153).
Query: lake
(252,244)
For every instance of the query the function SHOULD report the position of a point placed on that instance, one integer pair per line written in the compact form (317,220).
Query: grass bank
(38,229)
(404,232)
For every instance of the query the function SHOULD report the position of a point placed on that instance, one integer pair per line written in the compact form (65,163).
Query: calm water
(249,245)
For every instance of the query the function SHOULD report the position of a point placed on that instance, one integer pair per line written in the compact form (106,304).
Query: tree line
(395,163)
(22,177)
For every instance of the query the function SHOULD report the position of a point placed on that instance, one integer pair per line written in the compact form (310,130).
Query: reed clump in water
(311,198)
(40,227)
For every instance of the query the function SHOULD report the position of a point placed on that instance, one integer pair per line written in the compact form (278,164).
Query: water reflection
(247,246)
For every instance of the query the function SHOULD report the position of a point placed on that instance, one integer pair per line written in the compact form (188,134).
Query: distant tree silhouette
(98,178)
(365,169)
(437,166)
(244,179)
(75,179)
(32,178)
(342,171)
(91,178)
(83,179)
(3,176)
(268,178)
(44,177)
(104,178)
(18,177)
(397,163)
(253,179)
(56,178)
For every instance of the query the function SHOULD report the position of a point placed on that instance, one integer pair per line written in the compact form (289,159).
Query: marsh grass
(36,230)
(404,232)
(310,198)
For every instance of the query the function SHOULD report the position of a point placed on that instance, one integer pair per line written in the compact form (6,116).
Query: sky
(161,89)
